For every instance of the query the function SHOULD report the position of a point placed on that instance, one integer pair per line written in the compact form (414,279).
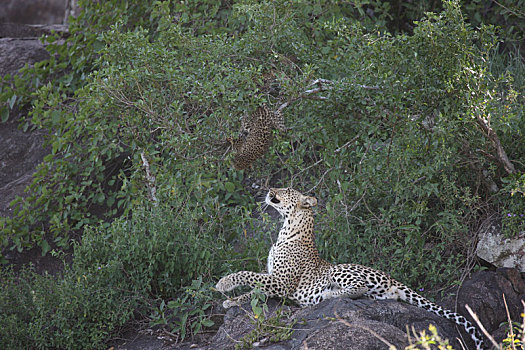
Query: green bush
(75,310)
(393,143)
(17,308)
(160,249)
(119,272)
(174,89)
(81,309)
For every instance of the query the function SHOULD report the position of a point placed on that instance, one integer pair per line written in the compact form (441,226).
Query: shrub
(17,308)
(118,273)
(160,249)
(394,140)
(74,310)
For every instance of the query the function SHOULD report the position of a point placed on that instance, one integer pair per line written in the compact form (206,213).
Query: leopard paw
(327,294)
(229,303)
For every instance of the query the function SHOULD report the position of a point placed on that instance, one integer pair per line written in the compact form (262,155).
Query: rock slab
(499,250)
(363,324)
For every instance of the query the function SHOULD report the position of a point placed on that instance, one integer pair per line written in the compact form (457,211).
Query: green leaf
(230,187)
(4,114)
(55,117)
(207,323)
(11,101)
(45,247)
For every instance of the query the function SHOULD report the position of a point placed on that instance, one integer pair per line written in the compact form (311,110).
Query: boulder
(484,291)
(340,323)
(362,324)
(13,30)
(17,52)
(499,250)
(33,12)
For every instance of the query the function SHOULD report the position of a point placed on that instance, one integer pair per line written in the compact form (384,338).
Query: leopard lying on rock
(296,270)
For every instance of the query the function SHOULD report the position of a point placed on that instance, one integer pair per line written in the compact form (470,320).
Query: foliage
(271,328)
(514,338)
(513,209)
(391,145)
(16,306)
(80,309)
(423,340)
(187,313)
(506,14)
(80,176)
(117,272)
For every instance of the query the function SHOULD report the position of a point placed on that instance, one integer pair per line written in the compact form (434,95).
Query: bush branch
(151,179)
(502,155)
(320,85)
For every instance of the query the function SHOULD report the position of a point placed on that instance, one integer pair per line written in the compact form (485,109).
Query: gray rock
(14,30)
(374,324)
(339,324)
(33,12)
(17,52)
(499,250)
(484,291)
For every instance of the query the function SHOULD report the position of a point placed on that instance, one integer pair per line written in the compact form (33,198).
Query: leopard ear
(306,202)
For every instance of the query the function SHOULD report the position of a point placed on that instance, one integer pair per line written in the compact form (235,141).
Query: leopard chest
(290,259)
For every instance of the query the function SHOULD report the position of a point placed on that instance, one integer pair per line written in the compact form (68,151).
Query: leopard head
(287,200)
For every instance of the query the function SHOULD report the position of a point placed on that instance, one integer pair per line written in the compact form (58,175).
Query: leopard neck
(299,224)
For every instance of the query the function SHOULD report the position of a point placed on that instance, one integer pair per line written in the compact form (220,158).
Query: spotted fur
(295,269)
(256,136)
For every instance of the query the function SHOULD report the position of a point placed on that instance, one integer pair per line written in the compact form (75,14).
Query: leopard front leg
(238,301)
(271,285)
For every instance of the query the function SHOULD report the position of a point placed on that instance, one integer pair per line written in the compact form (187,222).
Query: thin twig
(346,144)
(330,82)
(303,170)
(348,324)
(322,85)
(480,325)
(510,322)
(320,180)
(484,124)
(523,324)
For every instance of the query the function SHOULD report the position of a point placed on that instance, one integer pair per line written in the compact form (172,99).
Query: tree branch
(321,85)
(502,155)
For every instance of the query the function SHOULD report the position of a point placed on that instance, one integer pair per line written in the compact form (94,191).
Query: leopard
(256,136)
(296,271)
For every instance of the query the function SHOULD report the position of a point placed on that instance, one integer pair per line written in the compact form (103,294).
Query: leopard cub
(256,136)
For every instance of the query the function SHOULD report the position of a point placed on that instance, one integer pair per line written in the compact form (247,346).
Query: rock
(21,153)
(17,52)
(340,323)
(13,30)
(484,291)
(498,250)
(33,12)
(362,324)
